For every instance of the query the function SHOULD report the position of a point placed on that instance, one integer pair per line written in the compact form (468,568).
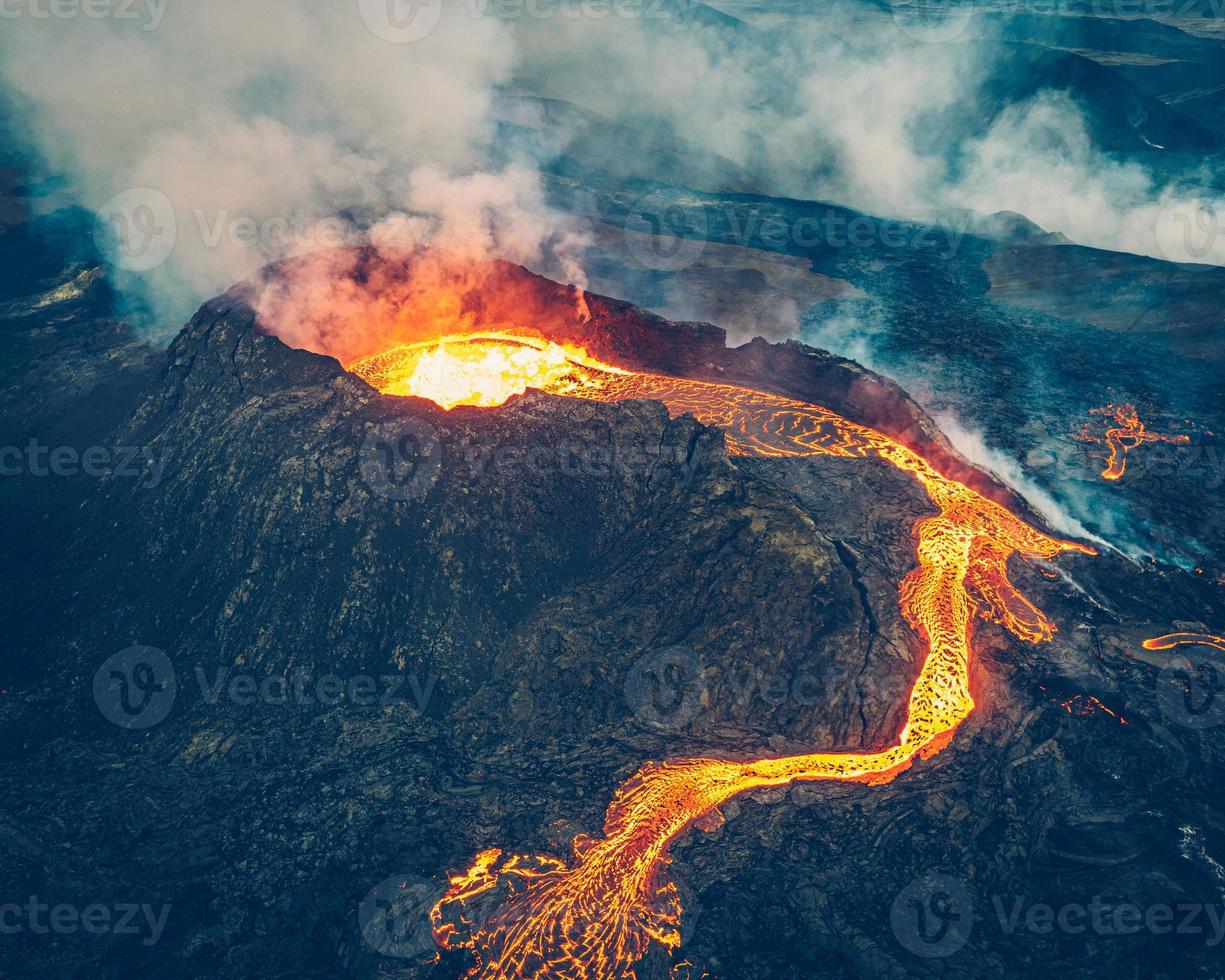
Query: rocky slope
(524,607)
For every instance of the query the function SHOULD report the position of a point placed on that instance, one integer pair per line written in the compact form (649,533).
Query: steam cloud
(874,124)
(973,445)
(258,131)
(283,127)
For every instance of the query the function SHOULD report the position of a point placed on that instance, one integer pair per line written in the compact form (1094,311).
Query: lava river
(596,915)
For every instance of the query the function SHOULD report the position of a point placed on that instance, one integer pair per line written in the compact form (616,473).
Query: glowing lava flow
(1127,433)
(1171,640)
(596,917)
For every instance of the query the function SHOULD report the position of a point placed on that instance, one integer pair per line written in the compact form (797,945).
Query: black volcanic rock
(516,597)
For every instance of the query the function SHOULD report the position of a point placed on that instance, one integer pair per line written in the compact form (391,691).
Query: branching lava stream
(1127,433)
(595,917)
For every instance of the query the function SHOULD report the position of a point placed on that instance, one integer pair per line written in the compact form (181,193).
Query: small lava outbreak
(595,917)
(1124,432)
(1172,640)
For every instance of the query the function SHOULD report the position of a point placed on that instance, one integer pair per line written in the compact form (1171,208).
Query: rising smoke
(263,130)
(848,108)
(239,133)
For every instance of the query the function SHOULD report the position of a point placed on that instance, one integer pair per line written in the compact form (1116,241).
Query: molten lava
(1126,434)
(1171,640)
(594,917)
(484,370)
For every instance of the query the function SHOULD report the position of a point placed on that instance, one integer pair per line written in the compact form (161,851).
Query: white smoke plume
(865,115)
(973,445)
(256,131)
(1039,160)
(235,133)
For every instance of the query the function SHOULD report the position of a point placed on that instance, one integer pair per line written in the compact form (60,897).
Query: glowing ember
(1124,435)
(1080,704)
(597,916)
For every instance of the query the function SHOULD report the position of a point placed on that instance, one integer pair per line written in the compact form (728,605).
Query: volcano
(665,659)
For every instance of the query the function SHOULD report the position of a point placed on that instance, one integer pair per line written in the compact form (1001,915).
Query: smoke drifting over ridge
(848,108)
(237,133)
(259,132)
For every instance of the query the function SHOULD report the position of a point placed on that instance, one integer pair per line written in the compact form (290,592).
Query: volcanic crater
(521,593)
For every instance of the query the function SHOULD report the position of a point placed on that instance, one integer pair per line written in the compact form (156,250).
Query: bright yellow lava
(1172,640)
(595,918)
(1128,433)
(484,370)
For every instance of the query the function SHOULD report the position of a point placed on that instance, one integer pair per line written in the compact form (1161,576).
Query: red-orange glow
(484,370)
(1081,704)
(1127,432)
(594,917)
(1170,640)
